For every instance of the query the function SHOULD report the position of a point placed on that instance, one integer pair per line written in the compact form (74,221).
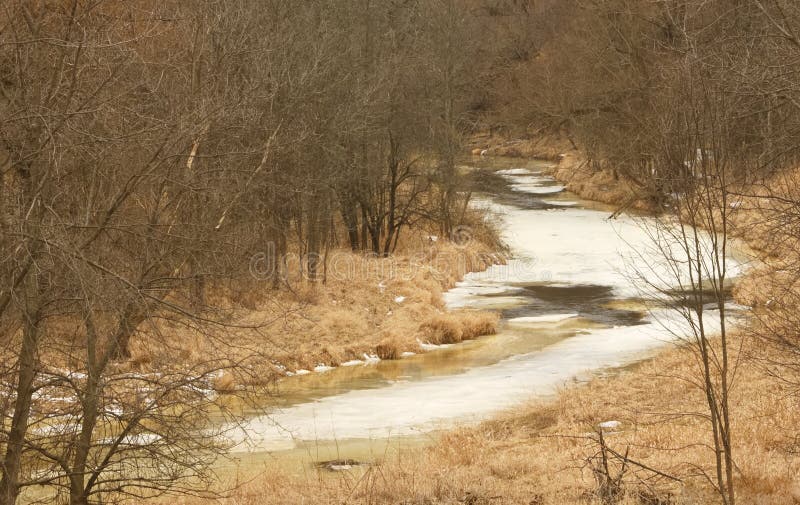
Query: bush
(442,329)
(455,327)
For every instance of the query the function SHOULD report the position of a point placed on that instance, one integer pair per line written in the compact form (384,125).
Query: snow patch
(425,346)
(561,203)
(516,171)
(609,425)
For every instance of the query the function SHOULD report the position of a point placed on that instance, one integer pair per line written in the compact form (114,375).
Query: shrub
(443,329)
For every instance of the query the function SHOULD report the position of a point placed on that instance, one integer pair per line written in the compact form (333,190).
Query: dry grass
(375,306)
(443,329)
(599,185)
(387,350)
(545,147)
(225,383)
(476,324)
(571,167)
(457,326)
(538,453)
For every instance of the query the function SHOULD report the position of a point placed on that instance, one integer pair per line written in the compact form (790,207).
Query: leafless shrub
(617,476)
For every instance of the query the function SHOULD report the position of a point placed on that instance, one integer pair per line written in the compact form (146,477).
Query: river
(573,304)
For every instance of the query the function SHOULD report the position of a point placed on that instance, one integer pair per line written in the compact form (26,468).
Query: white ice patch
(425,346)
(730,306)
(549,318)
(537,189)
(576,247)
(561,203)
(340,468)
(525,181)
(114,410)
(609,425)
(517,171)
(472,293)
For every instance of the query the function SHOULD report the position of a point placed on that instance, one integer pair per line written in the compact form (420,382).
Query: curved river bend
(571,305)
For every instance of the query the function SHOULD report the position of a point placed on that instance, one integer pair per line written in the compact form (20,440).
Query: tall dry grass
(454,327)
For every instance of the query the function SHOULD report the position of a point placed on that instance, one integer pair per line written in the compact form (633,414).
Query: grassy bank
(547,453)
(367,307)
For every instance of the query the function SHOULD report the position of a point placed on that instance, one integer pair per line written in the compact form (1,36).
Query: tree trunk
(313,241)
(9,482)
(393,183)
(350,218)
(90,407)
(131,318)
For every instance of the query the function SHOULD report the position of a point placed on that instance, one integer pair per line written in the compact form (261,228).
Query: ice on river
(576,246)
(569,247)
(407,408)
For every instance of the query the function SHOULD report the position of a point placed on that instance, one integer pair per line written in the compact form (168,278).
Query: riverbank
(590,181)
(549,452)
(755,211)
(367,309)
(545,453)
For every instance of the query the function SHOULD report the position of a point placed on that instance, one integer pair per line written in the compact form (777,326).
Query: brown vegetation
(457,326)
(381,308)
(175,179)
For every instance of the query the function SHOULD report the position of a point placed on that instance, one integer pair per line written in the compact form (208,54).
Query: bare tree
(147,150)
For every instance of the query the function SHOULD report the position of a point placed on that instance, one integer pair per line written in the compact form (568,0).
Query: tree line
(695,105)
(149,148)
